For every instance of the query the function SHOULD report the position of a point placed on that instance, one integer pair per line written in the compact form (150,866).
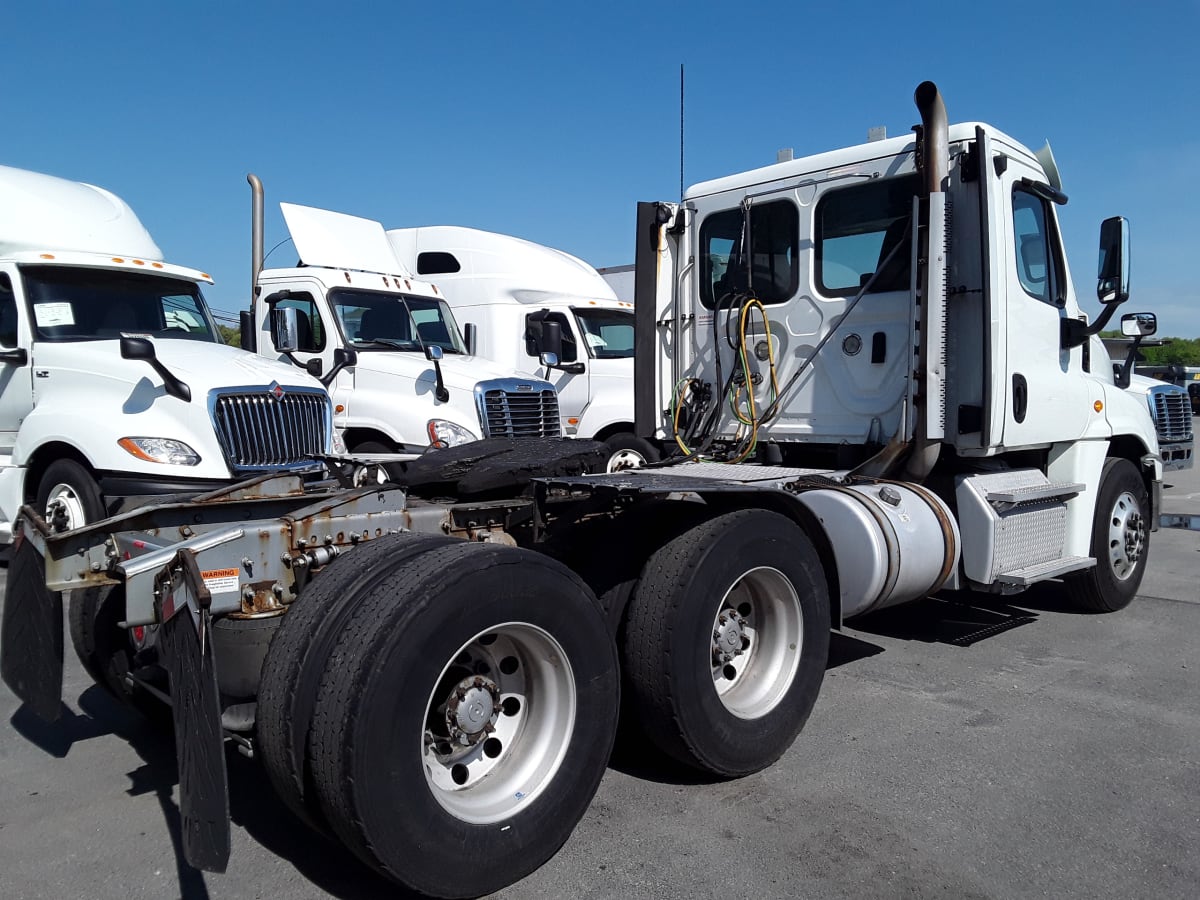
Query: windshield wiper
(403,346)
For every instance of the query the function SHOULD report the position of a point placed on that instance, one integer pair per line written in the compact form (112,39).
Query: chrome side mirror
(285,329)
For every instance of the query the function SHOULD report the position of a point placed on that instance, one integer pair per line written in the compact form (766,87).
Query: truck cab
(114,383)
(386,345)
(506,290)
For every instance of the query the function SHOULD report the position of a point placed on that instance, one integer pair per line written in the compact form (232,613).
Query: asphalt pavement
(961,747)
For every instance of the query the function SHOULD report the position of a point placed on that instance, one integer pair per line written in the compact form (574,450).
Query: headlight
(160,450)
(448,434)
(339,444)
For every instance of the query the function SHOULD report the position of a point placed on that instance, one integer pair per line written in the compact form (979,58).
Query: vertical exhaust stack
(935,168)
(256,230)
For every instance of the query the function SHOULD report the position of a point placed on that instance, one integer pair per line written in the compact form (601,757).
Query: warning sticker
(221,581)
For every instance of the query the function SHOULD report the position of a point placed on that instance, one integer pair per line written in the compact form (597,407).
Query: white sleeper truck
(871,400)
(385,343)
(114,382)
(506,291)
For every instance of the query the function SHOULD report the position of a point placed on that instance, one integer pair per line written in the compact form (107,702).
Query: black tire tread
(1086,590)
(294,648)
(648,665)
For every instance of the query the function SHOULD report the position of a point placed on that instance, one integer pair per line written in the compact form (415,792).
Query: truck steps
(1010,497)
(1044,571)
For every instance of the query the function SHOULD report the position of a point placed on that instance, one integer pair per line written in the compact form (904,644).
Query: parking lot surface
(961,747)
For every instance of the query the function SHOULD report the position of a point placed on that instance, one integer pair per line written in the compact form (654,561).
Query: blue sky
(551,120)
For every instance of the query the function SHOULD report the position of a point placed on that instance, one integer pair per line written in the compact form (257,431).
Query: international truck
(505,291)
(871,400)
(114,381)
(383,342)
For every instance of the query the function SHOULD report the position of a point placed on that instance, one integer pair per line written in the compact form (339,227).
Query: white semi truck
(114,382)
(505,291)
(384,343)
(871,401)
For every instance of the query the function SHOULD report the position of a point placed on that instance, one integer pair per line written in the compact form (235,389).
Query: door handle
(1020,397)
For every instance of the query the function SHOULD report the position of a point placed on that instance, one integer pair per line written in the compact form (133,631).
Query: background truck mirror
(1139,324)
(1112,285)
(285,330)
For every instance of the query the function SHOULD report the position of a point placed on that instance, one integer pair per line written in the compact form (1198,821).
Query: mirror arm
(341,359)
(1074,333)
(439,388)
(1122,377)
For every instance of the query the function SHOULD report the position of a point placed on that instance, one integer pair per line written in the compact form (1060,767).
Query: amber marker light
(138,262)
(572,421)
(1098,405)
(156,265)
(46,256)
(339,408)
(117,259)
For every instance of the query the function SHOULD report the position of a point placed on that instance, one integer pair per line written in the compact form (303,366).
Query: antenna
(681,132)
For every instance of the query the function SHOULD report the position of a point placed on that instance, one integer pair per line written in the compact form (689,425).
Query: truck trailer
(871,400)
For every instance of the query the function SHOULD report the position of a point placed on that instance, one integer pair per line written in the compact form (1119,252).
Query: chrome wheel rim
(498,722)
(1126,536)
(757,639)
(65,506)
(625,459)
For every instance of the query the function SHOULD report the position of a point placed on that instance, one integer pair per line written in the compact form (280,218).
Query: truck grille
(271,428)
(510,407)
(1172,414)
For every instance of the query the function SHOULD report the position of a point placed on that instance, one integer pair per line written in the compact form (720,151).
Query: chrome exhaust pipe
(256,230)
(935,169)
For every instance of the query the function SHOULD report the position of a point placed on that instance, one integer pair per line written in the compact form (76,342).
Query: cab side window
(772,270)
(309,327)
(8,314)
(1033,244)
(533,332)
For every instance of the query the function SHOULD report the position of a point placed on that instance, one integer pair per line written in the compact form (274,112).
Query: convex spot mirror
(285,330)
(1139,324)
(433,352)
(1112,285)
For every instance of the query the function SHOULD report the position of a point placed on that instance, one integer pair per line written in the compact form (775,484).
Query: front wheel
(68,496)
(726,640)
(627,451)
(1120,541)
(465,717)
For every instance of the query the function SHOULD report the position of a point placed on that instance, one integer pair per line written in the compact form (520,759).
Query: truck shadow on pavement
(948,618)
(253,804)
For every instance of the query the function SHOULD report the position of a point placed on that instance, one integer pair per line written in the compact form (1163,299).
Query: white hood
(335,240)
(458,371)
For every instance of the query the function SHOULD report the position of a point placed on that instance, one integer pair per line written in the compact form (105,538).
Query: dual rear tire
(454,697)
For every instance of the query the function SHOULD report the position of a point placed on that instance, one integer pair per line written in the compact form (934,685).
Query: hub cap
(1126,536)
(757,637)
(625,459)
(64,508)
(498,722)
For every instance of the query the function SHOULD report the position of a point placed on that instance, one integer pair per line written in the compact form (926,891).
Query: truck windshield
(608,333)
(81,304)
(375,321)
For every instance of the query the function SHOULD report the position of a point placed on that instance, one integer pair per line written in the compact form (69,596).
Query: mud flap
(31,635)
(186,651)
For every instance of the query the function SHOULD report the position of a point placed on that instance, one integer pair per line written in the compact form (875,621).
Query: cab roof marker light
(138,262)
(46,256)
(157,265)
(118,259)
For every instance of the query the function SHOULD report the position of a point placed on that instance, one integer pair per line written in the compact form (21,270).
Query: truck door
(572,385)
(1047,399)
(16,369)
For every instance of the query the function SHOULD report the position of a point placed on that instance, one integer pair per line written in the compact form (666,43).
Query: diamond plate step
(1047,570)
(1010,496)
